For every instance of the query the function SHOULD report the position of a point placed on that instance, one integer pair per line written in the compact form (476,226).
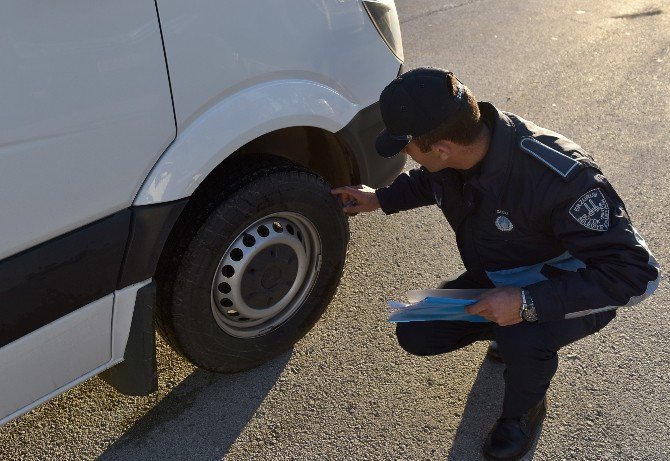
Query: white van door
(85,112)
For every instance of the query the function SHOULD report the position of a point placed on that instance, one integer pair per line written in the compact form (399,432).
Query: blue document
(433,308)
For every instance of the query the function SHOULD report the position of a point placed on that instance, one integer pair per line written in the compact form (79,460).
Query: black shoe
(511,438)
(493,352)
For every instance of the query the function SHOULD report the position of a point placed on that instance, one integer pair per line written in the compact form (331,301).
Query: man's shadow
(481,412)
(200,418)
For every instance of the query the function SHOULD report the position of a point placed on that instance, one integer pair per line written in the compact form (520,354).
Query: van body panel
(219,49)
(85,112)
(234,122)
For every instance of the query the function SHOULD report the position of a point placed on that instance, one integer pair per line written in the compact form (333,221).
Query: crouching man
(535,221)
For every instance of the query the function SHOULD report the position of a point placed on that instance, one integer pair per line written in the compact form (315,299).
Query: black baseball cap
(415,103)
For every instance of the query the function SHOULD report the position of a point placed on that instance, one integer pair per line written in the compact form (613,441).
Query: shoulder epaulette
(561,164)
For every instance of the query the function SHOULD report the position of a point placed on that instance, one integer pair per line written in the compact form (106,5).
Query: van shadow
(481,412)
(200,418)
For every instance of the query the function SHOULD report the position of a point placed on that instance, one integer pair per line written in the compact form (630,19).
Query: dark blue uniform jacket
(537,213)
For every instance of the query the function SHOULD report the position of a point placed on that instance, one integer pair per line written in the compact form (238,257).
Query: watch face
(529,314)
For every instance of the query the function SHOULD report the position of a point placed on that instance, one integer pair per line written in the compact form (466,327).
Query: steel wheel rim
(265,274)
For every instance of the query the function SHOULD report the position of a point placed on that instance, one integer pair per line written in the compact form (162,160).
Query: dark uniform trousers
(528,349)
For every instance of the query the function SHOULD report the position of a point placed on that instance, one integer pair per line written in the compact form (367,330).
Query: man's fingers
(346,195)
(356,199)
(346,199)
(476,308)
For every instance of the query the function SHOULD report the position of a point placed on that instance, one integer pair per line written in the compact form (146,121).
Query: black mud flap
(137,374)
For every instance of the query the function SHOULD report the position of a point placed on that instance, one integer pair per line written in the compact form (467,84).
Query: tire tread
(174,274)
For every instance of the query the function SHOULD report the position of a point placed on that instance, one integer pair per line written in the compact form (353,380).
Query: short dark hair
(463,128)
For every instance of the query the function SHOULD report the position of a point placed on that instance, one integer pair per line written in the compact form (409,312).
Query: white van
(169,161)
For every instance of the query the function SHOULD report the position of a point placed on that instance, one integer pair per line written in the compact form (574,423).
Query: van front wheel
(257,273)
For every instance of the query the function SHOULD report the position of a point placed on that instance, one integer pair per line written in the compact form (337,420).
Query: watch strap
(528,312)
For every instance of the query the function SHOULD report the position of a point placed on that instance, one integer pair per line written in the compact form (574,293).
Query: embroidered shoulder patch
(592,211)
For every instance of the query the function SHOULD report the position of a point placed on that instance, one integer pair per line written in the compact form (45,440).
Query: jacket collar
(496,164)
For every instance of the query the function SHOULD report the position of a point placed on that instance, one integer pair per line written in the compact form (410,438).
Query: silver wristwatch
(527,311)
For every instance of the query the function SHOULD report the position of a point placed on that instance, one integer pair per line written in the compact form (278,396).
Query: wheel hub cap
(269,276)
(265,274)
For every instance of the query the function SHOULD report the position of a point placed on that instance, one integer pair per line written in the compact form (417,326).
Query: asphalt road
(596,71)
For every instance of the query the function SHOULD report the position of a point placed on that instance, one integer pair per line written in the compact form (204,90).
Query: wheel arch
(316,149)
(300,114)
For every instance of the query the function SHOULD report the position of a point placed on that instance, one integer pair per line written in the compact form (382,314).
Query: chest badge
(504,224)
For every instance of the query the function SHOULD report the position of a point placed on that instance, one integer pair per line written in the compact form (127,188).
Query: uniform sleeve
(409,190)
(592,224)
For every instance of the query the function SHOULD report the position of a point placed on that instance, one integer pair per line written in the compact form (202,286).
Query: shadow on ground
(481,411)
(200,418)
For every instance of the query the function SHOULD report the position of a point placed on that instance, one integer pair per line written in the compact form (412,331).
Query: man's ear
(443,148)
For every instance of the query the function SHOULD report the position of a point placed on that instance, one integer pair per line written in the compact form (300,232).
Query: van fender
(235,121)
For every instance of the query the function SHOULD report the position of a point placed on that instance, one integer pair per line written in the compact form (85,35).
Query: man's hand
(357,199)
(499,305)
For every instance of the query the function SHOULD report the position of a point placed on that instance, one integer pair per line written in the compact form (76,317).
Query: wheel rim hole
(232,313)
(225,302)
(290,229)
(248,240)
(228,271)
(236,254)
(263,231)
(224,288)
(299,236)
(277,227)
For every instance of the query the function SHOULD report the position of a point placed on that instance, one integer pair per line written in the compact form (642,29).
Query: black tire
(189,315)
